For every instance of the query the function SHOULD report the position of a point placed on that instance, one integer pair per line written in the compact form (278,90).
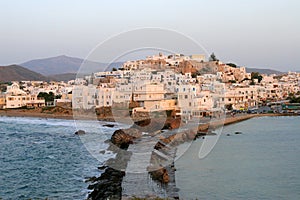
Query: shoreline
(26,113)
(216,123)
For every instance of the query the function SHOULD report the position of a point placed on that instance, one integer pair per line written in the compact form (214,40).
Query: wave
(37,121)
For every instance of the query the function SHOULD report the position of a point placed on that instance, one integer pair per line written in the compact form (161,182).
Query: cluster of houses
(188,85)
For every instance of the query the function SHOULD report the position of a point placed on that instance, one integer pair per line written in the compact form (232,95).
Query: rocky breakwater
(160,166)
(162,158)
(109,184)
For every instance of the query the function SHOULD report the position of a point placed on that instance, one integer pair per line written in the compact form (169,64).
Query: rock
(175,123)
(238,132)
(109,125)
(172,123)
(227,134)
(165,178)
(160,174)
(103,167)
(102,152)
(108,185)
(149,125)
(80,132)
(121,139)
(135,133)
(190,134)
(91,179)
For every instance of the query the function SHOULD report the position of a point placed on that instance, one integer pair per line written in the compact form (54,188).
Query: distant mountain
(264,71)
(63,77)
(65,64)
(19,73)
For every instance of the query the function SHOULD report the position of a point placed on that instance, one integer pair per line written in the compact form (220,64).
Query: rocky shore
(109,184)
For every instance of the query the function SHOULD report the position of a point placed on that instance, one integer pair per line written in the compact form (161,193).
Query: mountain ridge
(18,73)
(263,71)
(65,64)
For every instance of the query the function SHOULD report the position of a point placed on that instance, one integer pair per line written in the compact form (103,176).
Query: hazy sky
(253,33)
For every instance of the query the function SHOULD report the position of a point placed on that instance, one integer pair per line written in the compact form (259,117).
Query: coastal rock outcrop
(123,137)
(107,186)
(108,125)
(159,174)
(80,132)
(172,123)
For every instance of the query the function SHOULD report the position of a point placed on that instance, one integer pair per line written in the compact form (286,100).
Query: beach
(69,115)
(33,113)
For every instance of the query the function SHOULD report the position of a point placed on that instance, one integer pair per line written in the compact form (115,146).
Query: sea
(43,158)
(263,162)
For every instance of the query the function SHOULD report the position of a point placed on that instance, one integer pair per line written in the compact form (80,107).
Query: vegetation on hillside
(213,57)
(232,65)
(255,75)
(293,98)
(49,97)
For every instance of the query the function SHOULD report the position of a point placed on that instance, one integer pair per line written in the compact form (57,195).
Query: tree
(114,69)
(293,99)
(232,65)
(48,97)
(229,106)
(256,75)
(58,96)
(213,57)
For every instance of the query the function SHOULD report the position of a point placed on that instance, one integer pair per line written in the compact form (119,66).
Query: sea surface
(43,158)
(261,163)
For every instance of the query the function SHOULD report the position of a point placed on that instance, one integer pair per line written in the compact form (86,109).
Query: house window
(229,99)
(185,96)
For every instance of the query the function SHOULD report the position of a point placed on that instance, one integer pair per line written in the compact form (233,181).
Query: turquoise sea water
(42,158)
(261,163)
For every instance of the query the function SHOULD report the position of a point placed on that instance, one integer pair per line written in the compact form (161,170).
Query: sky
(252,33)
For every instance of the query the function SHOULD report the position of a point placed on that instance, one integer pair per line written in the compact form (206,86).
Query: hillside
(19,73)
(63,77)
(65,64)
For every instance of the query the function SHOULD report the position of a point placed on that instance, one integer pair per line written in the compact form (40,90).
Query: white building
(16,98)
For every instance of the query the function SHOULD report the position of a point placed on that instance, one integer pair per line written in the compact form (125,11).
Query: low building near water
(17,98)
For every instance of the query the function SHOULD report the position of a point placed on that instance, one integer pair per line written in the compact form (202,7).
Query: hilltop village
(187,86)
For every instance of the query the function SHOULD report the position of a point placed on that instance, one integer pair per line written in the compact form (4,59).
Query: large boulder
(172,123)
(159,174)
(133,132)
(124,137)
(121,139)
